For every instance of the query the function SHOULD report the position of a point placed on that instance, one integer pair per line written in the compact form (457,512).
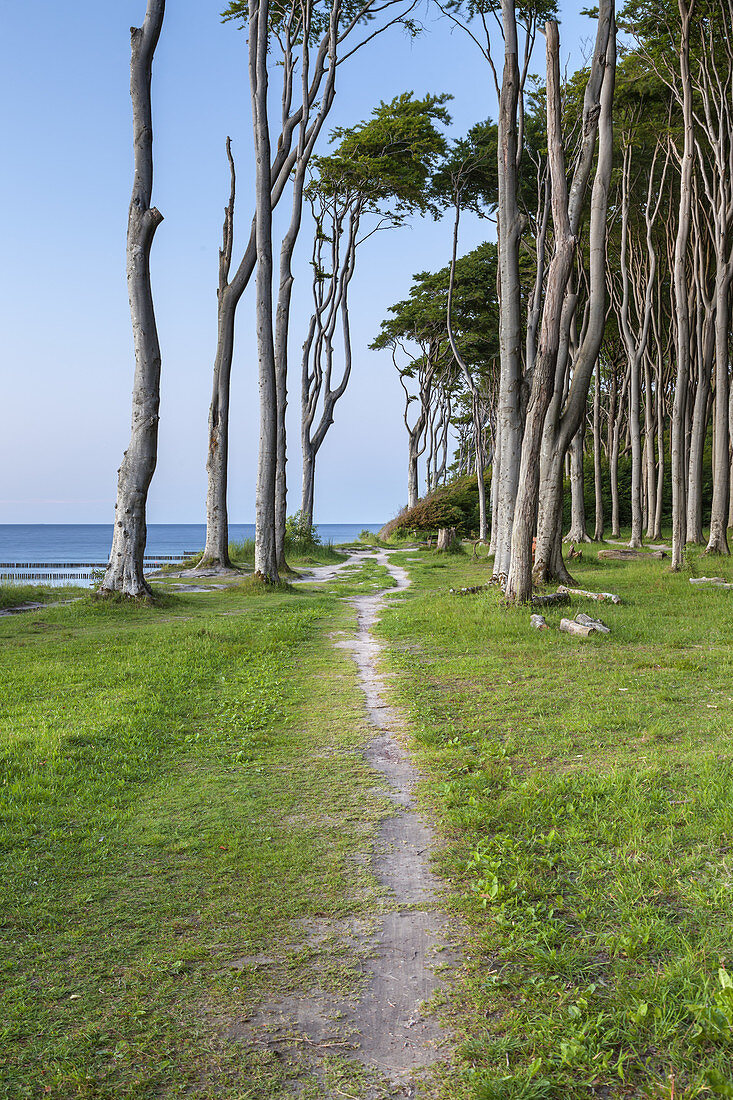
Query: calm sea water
(90,542)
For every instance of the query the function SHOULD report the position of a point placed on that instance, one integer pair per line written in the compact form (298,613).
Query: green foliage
(452,505)
(385,163)
(300,535)
(468,173)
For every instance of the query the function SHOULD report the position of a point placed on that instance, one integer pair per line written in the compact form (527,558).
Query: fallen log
(600,596)
(553,599)
(469,591)
(630,555)
(717,582)
(596,624)
(538,622)
(569,626)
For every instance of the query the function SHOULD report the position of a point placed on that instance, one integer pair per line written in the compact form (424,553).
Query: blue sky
(67,349)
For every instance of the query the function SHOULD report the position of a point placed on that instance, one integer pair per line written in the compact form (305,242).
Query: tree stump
(447,539)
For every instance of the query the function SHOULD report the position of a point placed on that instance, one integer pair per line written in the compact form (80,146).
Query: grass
(180,785)
(242,555)
(585,788)
(13,595)
(183,794)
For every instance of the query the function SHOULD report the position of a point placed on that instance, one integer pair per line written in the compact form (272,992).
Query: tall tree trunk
(496,458)
(566,212)
(657,532)
(265,544)
(730,458)
(680,295)
(578,531)
(509,414)
(698,434)
(613,464)
(560,431)
(718,541)
(216,550)
(309,480)
(597,474)
(651,471)
(413,493)
(124,573)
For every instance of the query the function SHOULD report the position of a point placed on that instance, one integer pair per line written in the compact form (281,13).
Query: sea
(68,553)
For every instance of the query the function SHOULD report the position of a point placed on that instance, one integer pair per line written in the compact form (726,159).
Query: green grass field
(183,784)
(584,788)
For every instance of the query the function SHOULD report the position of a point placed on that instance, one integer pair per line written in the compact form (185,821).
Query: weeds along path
(395,1034)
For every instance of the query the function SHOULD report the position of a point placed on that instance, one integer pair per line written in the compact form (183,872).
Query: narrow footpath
(394,1034)
(403,951)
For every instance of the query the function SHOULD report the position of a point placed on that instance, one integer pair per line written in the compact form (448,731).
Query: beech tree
(421,322)
(124,574)
(545,441)
(313,41)
(377,176)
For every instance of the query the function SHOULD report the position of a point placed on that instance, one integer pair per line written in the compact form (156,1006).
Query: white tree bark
(509,414)
(559,306)
(597,474)
(680,295)
(216,549)
(265,544)
(560,429)
(124,573)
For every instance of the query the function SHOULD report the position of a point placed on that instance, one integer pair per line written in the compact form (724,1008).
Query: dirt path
(395,1035)
(400,949)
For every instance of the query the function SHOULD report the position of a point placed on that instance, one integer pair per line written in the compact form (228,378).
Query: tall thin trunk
(309,481)
(265,545)
(566,212)
(509,231)
(216,550)
(651,483)
(124,573)
(471,383)
(718,541)
(680,295)
(657,532)
(578,531)
(597,474)
(730,456)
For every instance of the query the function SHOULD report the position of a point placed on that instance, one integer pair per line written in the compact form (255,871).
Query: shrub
(300,535)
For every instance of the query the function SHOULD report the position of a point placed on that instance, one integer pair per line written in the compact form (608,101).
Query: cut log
(446,539)
(538,622)
(600,596)
(569,626)
(630,555)
(717,582)
(597,624)
(553,599)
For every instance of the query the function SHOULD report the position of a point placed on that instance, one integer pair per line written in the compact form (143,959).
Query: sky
(66,362)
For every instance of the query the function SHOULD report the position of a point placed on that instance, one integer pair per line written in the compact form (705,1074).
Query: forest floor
(195,845)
